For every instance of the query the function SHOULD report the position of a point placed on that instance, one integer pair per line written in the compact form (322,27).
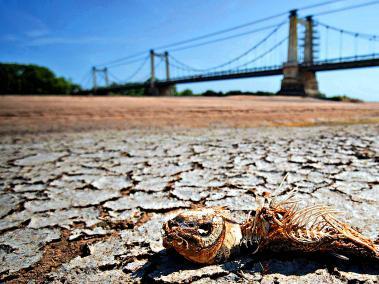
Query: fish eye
(179,219)
(205,229)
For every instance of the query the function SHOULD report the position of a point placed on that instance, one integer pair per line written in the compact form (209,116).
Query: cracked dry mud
(88,207)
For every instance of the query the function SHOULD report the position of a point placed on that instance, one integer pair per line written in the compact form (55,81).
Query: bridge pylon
(297,79)
(309,77)
(104,71)
(156,89)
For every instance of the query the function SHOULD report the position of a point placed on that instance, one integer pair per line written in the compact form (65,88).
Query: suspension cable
(237,57)
(219,32)
(138,54)
(127,63)
(225,38)
(114,77)
(137,70)
(341,43)
(278,44)
(264,53)
(85,77)
(327,42)
(346,8)
(373,44)
(356,45)
(361,35)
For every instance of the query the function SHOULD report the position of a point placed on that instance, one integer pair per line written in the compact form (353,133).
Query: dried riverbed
(89,206)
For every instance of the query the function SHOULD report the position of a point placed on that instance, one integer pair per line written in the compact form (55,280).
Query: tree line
(32,79)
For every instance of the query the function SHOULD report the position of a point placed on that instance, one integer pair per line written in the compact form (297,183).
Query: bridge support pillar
(292,85)
(168,90)
(157,90)
(298,81)
(310,83)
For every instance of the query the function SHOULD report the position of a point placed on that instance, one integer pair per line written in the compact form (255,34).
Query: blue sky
(71,36)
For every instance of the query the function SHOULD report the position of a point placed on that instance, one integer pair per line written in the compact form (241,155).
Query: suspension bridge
(296,56)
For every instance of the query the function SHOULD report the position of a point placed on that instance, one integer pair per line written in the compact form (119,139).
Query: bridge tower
(157,88)
(152,89)
(94,79)
(309,77)
(297,80)
(291,83)
(95,71)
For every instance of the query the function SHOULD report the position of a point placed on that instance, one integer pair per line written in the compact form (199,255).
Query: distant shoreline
(339,98)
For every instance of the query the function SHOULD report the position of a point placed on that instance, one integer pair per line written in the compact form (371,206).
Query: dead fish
(210,235)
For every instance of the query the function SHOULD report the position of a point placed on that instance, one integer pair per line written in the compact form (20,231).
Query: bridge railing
(345,59)
(223,73)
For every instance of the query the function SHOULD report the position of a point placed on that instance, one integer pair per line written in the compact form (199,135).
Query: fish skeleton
(210,235)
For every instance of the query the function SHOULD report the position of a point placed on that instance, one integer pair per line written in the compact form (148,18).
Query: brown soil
(34,114)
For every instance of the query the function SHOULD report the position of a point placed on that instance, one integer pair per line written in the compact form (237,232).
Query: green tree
(32,79)
(186,92)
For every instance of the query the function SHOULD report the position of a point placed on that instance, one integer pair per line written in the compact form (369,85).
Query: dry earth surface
(85,183)
(87,207)
(61,113)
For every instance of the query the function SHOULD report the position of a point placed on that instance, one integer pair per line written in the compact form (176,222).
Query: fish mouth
(172,240)
(167,242)
(169,234)
(175,236)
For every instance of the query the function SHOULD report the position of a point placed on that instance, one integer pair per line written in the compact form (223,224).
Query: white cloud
(37,33)
(42,41)
(9,38)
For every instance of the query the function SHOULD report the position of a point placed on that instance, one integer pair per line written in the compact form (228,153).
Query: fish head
(196,234)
